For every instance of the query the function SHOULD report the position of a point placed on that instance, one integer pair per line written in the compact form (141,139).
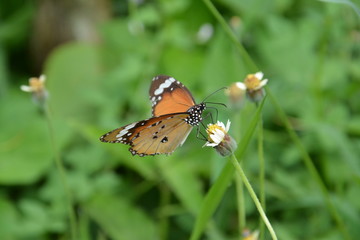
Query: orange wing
(168,95)
(158,135)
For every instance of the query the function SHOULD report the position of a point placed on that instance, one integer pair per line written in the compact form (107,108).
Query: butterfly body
(174,115)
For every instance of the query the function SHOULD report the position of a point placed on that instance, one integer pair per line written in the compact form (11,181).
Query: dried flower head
(248,235)
(37,88)
(219,138)
(237,93)
(255,86)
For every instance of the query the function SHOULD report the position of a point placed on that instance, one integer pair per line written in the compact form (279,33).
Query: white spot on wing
(125,130)
(164,85)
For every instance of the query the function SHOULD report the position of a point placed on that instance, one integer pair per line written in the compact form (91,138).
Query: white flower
(236,93)
(255,86)
(255,82)
(35,84)
(219,138)
(248,235)
(205,32)
(216,133)
(37,88)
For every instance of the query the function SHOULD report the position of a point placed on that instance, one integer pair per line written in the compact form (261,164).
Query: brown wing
(158,135)
(168,95)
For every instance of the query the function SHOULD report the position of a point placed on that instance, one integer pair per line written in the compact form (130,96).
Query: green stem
(240,203)
(238,182)
(247,184)
(60,167)
(310,166)
(164,220)
(261,172)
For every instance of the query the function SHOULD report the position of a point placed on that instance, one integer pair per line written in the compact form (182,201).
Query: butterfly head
(195,112)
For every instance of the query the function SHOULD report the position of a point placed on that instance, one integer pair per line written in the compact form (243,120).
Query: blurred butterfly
(174,114)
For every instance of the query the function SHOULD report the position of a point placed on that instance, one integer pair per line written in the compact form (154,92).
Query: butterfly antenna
(222,104)
(214,93)
(217,114)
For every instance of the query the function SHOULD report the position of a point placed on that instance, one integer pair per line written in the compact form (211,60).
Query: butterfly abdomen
(195,112)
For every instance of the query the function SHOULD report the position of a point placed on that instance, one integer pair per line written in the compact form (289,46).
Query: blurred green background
(99,57)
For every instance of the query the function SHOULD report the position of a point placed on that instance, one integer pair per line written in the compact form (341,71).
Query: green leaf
(8,219)
(183,181)
(22,160)
(119,219)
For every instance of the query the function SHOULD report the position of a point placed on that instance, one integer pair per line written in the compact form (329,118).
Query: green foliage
(309,50)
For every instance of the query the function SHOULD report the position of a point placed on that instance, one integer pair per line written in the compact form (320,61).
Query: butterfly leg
(209,114)
(217,114)
(198,133)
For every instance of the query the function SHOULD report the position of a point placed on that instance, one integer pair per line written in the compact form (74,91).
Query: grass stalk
(62,173)
(238,182)
(240,203)
(256,201)
(261,172)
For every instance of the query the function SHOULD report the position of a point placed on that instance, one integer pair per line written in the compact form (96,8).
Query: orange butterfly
(174,115)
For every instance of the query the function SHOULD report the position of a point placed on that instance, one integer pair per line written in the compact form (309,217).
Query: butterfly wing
(157,135)
(168,95)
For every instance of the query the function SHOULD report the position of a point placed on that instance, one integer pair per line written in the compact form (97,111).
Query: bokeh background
(99,57)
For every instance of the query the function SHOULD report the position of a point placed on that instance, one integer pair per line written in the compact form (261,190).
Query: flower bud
(236,93)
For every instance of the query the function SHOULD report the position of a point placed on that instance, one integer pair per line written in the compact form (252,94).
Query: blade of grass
(216,192)
(62,173)
(308,162)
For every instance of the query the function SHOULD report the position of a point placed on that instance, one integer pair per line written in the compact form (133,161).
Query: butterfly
(174,114)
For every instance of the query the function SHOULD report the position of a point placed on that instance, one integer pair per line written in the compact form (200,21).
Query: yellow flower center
(252,82)
(211,130)
(36,84)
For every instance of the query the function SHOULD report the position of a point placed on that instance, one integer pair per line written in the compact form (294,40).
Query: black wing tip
(134,152)
(161,76)
(102,138)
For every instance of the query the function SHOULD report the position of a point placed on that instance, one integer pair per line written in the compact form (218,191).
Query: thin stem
(60,167)
(240,203)
(310,166)
(247,184)
(238,181)
(261,171)
(164,220)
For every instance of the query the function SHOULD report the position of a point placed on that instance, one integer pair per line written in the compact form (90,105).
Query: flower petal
(227,125)
(209,144)
(241,85)
(42,78)
(218,136)
(220,124)
(259,75)
(26,88)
